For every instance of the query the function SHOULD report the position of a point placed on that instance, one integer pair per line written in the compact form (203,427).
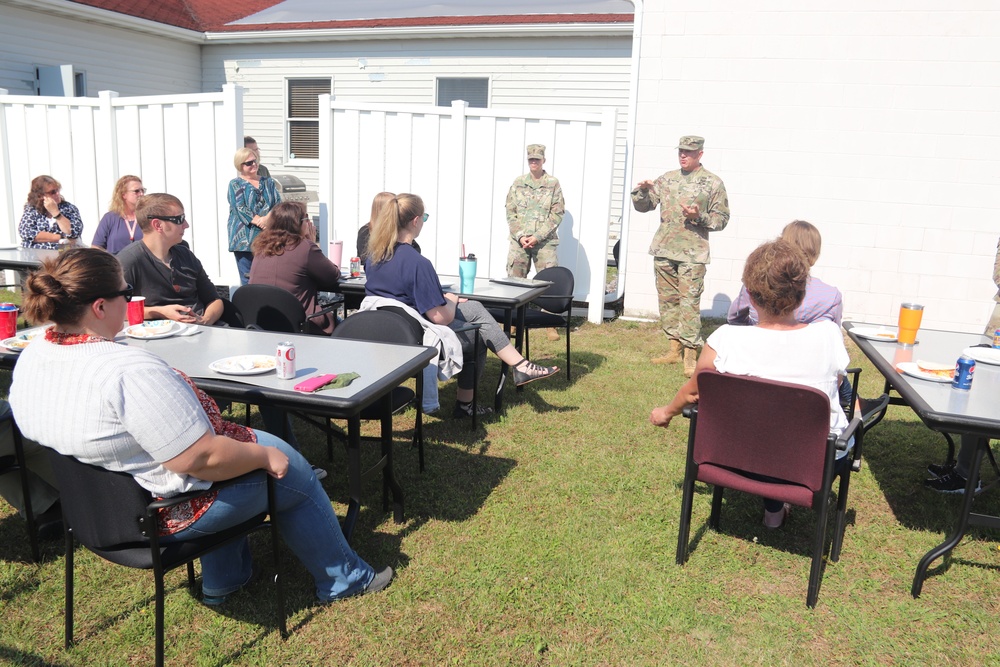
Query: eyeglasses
(176,219)
(138,191)
(249,163)
(424,217)
(127,293)
(53,193)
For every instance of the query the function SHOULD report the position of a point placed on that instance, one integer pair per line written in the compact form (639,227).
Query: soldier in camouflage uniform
(535,207)
(693,202)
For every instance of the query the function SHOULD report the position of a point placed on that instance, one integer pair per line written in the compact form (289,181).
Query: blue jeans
(243,262)
(307,523)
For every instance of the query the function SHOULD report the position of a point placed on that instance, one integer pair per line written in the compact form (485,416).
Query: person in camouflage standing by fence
(693,202)
(535,207)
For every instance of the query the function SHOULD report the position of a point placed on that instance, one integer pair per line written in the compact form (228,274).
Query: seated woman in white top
(778,348)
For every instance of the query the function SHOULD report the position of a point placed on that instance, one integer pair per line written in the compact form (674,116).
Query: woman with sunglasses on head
(396,272)
(48,221)
(118,228)
(251,198)
(132,413)
(286,256)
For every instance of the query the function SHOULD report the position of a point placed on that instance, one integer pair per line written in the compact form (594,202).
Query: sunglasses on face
(249,163)
(424,217)
(138,191)
(176,219)
(52,193)
(127,293)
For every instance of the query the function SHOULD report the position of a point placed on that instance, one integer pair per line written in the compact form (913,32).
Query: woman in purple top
(118,228)
(822,301)
(285,256)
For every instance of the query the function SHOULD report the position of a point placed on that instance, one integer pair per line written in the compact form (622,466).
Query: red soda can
(284,360)
(355,267)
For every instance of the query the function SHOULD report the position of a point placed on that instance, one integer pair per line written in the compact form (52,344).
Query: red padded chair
(744,428)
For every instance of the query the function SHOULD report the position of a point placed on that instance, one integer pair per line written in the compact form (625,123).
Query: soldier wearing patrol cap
(693,202)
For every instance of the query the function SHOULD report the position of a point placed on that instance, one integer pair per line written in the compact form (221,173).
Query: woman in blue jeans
(130,412)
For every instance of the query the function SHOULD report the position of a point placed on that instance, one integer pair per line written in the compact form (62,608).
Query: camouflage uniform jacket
(535,208)
(678,239)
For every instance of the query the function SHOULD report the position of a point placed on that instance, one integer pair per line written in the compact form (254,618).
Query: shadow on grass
(13,656)
(897,453)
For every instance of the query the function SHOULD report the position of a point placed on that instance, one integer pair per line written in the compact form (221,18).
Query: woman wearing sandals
(395,270)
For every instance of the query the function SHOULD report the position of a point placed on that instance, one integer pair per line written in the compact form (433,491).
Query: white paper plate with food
(927,370)
(151,329)
(883,334)
(984,355)
(245,364)
(20,341)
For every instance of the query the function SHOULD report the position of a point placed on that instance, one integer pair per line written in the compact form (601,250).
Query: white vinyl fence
(462,161)
(181,144)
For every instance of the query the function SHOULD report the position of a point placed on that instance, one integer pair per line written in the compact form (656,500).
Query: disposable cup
(910,315)
(467,274)
(336,252)
(136,310)
(8,320)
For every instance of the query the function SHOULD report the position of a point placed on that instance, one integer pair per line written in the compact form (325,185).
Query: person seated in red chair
(778,348)
(165,271)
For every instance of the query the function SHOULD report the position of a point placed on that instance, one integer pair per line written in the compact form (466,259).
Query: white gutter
(421,32)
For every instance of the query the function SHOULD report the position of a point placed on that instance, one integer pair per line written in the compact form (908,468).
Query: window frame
(289,119)
(484,79)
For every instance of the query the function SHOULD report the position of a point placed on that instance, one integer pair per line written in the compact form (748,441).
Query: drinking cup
(467,273)
(910,315)
(136,310)
(8,320)
(336,252)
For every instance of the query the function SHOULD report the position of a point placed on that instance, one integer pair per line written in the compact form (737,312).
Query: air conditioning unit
(293,189)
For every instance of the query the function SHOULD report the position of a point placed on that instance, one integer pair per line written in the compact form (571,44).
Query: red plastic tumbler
(8,320)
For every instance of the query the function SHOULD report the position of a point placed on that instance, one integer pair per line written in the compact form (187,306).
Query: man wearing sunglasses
(165,271)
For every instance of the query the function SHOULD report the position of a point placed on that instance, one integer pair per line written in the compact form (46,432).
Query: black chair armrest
(333,307)
(844,439)
(690,410)
(161,503)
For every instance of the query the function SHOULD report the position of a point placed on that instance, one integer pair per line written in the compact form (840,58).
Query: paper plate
(19,342)
(154,329)
(883,334)
(984,355)
(244,364)
(912,369)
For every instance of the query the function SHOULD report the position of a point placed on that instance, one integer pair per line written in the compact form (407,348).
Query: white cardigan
(449,348)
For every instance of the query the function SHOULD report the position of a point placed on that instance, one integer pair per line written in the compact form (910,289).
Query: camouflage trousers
(519,260)
(994,322)
(679,286)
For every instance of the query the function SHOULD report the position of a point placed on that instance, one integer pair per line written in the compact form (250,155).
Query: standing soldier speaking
(693,202)
(535,207)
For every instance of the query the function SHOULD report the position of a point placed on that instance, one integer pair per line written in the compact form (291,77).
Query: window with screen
(303,116)
(475,91)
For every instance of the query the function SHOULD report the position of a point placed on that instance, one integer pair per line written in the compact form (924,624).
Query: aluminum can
(355,267)
(996,339)
(965,368)
(284,360)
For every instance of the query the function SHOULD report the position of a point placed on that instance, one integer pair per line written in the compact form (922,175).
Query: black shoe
(465,410)
(950,483)
(939,470)
(872,407)
(527,371)
(49,523)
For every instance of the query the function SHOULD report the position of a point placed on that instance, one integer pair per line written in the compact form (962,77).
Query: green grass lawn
(548,538)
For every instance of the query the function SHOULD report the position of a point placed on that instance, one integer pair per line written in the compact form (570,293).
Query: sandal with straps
(527,371)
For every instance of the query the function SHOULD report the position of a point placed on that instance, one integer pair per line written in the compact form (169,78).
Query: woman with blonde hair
(118,228)
(286,256)
(48,220)
(365,232)
(395,271)
(251,198)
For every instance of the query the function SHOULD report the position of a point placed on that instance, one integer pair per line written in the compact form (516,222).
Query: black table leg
(389,483)
(519,339)
(353,475)
(498,397)
(963,520)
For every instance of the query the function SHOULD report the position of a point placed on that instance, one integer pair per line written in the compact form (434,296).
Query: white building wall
(126,61)
(574,73)
(878,121)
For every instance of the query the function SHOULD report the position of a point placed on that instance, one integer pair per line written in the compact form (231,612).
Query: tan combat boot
(690,360)
(671,357)
(552,333)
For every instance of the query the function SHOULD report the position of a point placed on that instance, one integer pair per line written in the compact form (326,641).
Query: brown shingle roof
(214,15)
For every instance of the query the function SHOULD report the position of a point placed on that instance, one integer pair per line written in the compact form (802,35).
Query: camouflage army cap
(691,143)
(536,151)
